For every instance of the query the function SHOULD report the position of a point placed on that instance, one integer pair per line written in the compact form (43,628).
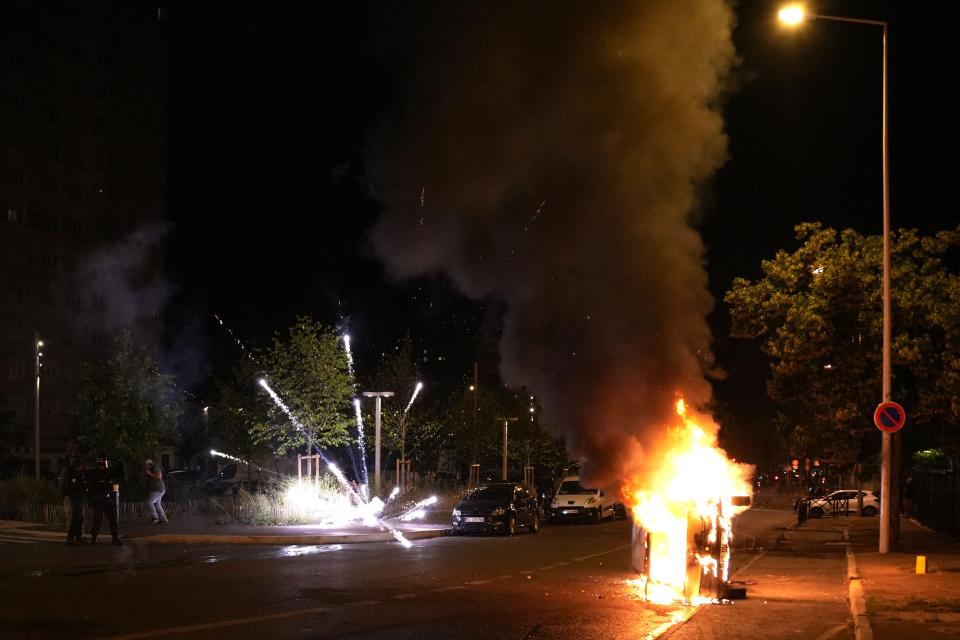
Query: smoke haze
(549,155)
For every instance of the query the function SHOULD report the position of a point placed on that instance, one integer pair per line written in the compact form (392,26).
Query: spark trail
(363,447)
(232,335)
(413,397)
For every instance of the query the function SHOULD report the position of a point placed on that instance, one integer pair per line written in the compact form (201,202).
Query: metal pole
(376,470)
(379,395)
(889,514)
(37,344)
(890,443)
(506,422)
(505,428)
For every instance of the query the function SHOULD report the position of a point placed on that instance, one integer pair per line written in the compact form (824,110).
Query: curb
(858,605)
(285,539)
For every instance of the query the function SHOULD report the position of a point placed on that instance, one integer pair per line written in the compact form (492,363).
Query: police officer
(102,498)
(73,483)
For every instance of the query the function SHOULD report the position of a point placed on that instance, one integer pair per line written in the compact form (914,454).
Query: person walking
(102,497)
(157,488)
(73,484)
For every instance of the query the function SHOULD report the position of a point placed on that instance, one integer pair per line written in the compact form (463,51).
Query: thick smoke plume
(550,155)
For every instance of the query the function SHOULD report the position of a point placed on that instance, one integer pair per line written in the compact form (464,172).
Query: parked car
(497,507)
(844,502)
(573,501)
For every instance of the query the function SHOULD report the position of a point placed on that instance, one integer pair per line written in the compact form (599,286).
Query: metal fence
(934,499)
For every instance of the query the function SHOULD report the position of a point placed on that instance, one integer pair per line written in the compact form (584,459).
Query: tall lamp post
(379,395)
(793,15)
(38,354)
(506,422)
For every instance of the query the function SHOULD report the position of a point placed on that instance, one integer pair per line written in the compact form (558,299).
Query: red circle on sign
(889,417)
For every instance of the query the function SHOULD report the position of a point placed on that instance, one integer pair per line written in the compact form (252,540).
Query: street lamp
(795,15)
(506,422)
(379,395)
(37,345)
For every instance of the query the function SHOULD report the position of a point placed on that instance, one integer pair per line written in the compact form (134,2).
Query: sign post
(889,417)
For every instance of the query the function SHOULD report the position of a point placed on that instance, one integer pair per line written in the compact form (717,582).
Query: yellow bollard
(921,565)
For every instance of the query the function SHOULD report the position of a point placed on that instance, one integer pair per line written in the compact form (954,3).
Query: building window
(15,370)
(49,223)
(13,215)
(15,176)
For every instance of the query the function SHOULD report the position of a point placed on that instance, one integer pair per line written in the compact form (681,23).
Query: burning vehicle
(683,512)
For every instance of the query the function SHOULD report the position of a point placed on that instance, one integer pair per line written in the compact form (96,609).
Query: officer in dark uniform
(102,496)
(73,483)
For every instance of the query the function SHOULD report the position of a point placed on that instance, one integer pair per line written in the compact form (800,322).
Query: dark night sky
(271,112)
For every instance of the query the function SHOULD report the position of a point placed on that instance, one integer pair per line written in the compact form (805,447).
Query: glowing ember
(682,509)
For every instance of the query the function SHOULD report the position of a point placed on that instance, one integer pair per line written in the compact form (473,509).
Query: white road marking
(404,596)
(749,563)
(832,631)
(235,622)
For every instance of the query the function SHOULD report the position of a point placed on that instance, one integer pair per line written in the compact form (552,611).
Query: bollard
(921,565)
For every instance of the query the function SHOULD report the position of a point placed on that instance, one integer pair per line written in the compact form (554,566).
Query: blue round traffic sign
(889,417)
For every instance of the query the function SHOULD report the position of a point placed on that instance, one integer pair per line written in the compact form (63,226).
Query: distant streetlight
(379,395)
(793,15)
(506,422)
(37,345)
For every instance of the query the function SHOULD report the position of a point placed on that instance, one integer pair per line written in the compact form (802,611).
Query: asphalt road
(567,581)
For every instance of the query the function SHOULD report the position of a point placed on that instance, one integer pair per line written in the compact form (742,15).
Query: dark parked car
(501,507)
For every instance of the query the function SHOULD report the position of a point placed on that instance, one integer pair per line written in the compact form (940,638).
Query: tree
(308,369)
(818,313)
(398,373)
(240,410)
(126,406)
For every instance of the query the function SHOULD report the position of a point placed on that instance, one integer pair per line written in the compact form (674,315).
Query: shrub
(23,488)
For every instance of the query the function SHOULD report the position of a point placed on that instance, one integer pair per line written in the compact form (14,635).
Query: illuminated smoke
(564,150)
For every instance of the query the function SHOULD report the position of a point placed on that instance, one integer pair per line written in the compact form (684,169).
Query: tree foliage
(818,314)
(241,409)
(307,367)
(126,406)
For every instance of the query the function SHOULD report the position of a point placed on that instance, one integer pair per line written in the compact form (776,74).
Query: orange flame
(682,504)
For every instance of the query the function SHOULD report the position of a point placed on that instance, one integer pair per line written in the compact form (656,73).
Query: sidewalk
(203,529)
(900,604)
(796,585)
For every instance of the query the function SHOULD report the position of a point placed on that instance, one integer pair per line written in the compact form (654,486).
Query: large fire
(682,505)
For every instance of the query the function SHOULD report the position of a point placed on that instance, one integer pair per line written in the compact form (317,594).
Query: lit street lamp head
(792,15)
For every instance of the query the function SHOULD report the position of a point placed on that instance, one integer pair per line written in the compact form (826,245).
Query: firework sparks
(360,442)
(346,347)
(234,337)
(369,512)
(416,391)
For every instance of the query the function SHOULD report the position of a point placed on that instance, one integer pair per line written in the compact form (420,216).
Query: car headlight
(456,513)
(499,511)
(591,501)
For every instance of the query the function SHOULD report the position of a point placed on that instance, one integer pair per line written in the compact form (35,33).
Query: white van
(573,501)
